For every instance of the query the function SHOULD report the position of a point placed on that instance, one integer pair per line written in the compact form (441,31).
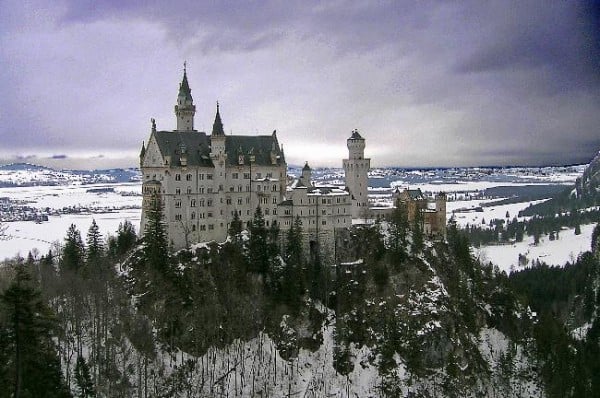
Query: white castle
(203,180)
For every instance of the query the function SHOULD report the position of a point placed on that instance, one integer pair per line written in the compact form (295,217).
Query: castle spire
(218,124)
(184,87)
(185,108)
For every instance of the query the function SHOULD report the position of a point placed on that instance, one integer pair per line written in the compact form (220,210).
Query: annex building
(204,179)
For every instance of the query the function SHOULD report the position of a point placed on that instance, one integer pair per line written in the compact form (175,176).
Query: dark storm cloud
(427,82)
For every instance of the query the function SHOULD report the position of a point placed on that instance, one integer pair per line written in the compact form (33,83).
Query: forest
(259,315)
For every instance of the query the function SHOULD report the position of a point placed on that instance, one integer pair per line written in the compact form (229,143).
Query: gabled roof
(258,146)
(195,144)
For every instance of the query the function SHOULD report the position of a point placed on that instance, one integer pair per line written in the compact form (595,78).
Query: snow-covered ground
(566,248)
(111,208)
(107,208)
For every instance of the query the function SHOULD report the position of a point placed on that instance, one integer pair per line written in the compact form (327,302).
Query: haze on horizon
(426,83)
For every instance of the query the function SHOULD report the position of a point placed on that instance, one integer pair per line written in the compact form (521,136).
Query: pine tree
(235,227)
(258,248)
(83,379)
(417,233)
(399,226)
(73,252)
(95,246)
(155,242)
(32,367)
(292,285)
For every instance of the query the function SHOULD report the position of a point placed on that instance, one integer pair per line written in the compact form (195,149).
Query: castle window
(209,202)
(220,187)
(193,203)
(201,176)
(274,200)
(177,191)
(193,216)
(269,175)
(258,175)
(202,227)
(194,228)
(177,217)
(209,176)
(323,222)
(201,189)
(247,188)
(239,201)
(239,188)
(231,189)
(188,177)
(211,227)
(189,190)
(209,215)
(209,190)
(177,177)
(267,211)
(234,176)
(177,204)
(274,188)
(201,202)
(274,211)
(248,200)
(228,201)
(324,201)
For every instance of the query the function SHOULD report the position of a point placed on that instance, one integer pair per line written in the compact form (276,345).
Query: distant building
(433,211)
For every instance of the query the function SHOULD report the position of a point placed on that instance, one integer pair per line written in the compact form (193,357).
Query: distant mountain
(583,194)
(26,174)
(22,167)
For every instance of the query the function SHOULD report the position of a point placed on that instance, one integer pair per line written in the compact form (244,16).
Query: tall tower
(185,108)
(356,168)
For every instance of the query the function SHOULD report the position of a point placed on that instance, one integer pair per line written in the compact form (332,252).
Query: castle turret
(217,139)
(306,175)
(185,108)
(356,169)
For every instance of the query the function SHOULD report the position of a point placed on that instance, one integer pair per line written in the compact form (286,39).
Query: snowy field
(79,206)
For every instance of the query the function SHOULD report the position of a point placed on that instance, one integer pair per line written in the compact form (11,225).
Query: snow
(556,252)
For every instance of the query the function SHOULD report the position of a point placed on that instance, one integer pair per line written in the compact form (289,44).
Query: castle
(204,180)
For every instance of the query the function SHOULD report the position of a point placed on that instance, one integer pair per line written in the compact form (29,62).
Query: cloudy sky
(427,83)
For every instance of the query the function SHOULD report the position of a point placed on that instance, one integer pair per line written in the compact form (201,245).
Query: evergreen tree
(73,252)
(258,247)
(577,229)
(399,226)
(31,367)
(155,242)
(125,240)
(235,227)
(83,379)
(95,246)
(417,232)
(292,284)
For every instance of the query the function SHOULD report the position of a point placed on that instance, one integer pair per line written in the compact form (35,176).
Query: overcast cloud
(427,83)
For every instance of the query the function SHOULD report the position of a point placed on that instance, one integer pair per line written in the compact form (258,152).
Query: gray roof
(197,147)
(259,146)
(194,143)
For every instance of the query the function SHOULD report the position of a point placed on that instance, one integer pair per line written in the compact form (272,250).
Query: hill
(584,194)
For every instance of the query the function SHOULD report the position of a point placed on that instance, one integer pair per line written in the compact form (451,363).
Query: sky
(426,83)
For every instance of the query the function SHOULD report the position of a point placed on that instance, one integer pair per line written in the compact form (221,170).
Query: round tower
(306,175)
(356,169)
